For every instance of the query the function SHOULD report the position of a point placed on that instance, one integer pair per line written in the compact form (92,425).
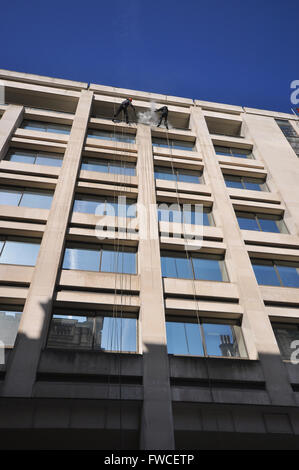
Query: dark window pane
(268,225)
(248,223)
(265,274)
(184,268)
(289,275)
(220,340)
(232,182)
(69,331)
(285,335)
(188,176)
(207,269)
(168,266)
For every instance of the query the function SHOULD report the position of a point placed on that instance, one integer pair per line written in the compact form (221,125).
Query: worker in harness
(124,108)
(164,115)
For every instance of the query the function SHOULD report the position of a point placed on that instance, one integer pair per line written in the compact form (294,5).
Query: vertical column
(259,336)
(10,120)
(279,158)
(23,363)
(157,422)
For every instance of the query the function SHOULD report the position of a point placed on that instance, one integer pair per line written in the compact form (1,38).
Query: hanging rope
(195,299)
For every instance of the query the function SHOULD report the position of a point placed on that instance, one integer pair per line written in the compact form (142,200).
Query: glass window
(36,199)
(184,338)
(25,198)
(93,332)
(171,143)
(110,135)
(112,167)
(180,214)
(178,265)
(289,273)
(48,160)
(265,272)
(122,261)
(207,269)
(9,323)
(276,273)
(233,182)
(100,259)
(221,338)
(46,127)
(81,259)
(285,334)
(247,222)
(116,334)
(22,252)
(21,156)
(32,157)
(233,152)
(10,197)
(178,174)
(244,182)
(268,224)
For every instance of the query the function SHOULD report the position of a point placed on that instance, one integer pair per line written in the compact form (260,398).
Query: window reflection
(204,338)
(94,332)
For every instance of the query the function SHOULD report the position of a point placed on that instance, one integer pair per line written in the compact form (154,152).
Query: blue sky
(233,52)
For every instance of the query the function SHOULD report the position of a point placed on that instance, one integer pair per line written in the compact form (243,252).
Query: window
(276,273)
(46,127)
(261,222)
(204,337)
(171,143)
(233,152)
(122,207)
(25,197)
(21,251)
(34,157)
(100,258)
(285,334)
(291,135)
(244,182)
(184,214)
(109,166)
(194,266)
(10,317)
(93,331)
(110,135)
(178,174)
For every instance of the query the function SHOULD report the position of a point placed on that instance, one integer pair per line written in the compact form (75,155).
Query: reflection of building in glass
(75,333)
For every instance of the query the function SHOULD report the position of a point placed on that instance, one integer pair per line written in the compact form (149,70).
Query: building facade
(123,335)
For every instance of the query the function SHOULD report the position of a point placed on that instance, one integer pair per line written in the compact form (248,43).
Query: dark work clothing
(164,115)
(124,108)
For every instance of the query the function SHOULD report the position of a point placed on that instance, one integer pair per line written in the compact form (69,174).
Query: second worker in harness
(164,115)
(124,107)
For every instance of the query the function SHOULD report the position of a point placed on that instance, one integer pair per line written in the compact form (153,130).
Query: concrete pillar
(274,149)
(9,122)
(256,326)
(157,422)
(23,363)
